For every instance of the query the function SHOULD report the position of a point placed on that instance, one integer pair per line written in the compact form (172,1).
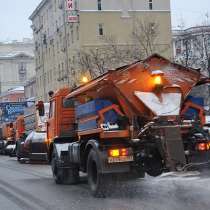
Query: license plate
(120,159)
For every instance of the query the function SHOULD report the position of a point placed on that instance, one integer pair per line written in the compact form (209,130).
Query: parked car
(10,149)
(33,147)
(7,148)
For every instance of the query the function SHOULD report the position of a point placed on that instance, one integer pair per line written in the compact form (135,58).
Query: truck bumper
(38,156)
(129,168)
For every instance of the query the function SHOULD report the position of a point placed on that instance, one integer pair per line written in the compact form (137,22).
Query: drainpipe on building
(65,41)
(43,70)
(209,85)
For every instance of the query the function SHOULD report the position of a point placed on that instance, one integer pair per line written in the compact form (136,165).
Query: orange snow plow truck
(123,124)
(11,133)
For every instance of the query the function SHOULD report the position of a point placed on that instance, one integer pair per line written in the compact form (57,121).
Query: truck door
(51,122)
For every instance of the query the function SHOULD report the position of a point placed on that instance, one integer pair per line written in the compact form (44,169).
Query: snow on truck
(124,124)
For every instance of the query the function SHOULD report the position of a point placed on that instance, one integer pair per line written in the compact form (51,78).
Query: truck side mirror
(40,108)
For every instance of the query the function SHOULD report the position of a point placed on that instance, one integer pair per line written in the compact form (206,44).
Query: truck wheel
(18,158)
(99,183)
(154,165)
(64,175)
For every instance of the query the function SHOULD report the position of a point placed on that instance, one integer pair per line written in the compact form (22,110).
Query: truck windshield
(68,103)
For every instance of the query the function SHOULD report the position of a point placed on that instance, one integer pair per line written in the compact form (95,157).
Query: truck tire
(99,183)
(64,175)
(154,165)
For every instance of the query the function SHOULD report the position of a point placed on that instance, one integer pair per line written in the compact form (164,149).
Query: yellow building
(68,34)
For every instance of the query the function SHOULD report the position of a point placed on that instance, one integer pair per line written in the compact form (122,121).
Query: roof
(39,7)
(193,30)
(25,41)
(17,89)
(15,55)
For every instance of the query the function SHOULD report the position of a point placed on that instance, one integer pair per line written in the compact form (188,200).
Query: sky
(14,23)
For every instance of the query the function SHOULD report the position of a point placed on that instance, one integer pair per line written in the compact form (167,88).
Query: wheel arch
(91,144)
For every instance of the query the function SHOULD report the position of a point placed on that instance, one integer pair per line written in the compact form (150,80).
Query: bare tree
(196,51)
(93,61)
(145,36)
(111,55)
(206,54)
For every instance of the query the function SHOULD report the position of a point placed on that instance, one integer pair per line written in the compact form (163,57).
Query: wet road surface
(30,187)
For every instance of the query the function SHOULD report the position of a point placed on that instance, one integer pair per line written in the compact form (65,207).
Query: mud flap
(174,148)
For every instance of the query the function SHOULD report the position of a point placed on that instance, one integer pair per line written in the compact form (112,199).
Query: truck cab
(61,121)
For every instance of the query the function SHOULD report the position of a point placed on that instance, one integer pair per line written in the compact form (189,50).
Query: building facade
(30,88)
(16,64)
(191,47)
(63,28)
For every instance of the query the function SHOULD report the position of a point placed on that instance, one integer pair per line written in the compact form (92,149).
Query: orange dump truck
(19,128)
(8,136)
(123,124)
(8,132)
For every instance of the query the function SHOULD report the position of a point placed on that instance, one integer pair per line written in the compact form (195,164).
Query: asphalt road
(30,187)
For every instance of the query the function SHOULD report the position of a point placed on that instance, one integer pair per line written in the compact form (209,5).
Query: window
(77,32)
(53,50)
(21,99)
(52,109)
(100,30)
(61,37)
(59,72)
(48,77)
(99,4)
(55,5)
(208,40)
(150,4)
(74,60)
(62,71)
(40,79)
(68,103)
(22,70)
(72,36)
(58,47)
